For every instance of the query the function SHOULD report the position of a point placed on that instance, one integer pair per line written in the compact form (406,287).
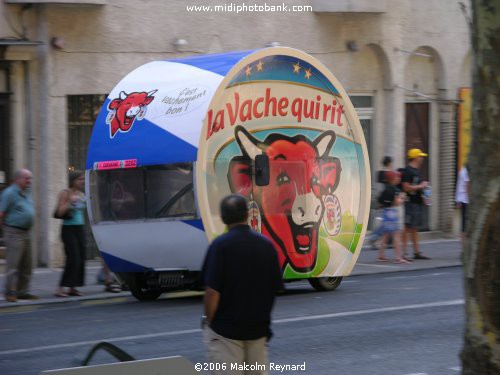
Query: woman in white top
(462,194)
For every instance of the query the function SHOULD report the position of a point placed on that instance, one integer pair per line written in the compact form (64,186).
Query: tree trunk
(481,351)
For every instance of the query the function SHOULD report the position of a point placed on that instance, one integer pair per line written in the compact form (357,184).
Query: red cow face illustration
(126,109)
(291,206)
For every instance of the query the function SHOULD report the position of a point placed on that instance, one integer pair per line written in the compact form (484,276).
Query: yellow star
(308,73)
(248,70)
(296,68)
(259,66)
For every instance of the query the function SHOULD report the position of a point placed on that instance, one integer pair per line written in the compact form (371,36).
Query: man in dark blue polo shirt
(242,276)
(16,215)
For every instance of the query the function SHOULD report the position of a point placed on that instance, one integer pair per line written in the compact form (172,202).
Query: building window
(363,104)
(82,113)
(362,101)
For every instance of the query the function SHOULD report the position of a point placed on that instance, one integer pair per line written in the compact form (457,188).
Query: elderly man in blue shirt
(16,216)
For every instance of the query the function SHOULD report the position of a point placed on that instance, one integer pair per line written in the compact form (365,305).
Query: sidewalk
(444,253)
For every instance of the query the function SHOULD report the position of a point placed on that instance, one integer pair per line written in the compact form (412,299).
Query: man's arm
(211,302)
(4,206)
(407,187)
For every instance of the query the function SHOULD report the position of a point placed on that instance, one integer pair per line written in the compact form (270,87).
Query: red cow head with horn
(291,206)
(126,108)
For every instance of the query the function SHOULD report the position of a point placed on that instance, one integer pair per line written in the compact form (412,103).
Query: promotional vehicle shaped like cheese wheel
(174,137)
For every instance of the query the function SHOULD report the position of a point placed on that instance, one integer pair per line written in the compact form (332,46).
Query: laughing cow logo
(292,206)
(127,108)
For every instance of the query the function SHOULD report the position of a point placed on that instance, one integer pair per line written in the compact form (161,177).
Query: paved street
(444,253)
(387,323)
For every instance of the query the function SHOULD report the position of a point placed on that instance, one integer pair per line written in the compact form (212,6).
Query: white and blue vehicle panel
(152,118)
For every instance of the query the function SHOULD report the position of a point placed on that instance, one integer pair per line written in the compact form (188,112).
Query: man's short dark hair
(386,161)
(234,209)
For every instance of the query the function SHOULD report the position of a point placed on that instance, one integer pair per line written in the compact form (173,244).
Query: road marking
(370,311)
(277,321)
(458,368)
(183,294)
(19,309)
(93,342)
(107,301)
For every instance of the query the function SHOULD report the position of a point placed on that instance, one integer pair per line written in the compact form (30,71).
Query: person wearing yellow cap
(413,185)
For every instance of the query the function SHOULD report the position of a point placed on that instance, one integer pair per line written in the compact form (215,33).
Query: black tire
(325,284)
(137,288)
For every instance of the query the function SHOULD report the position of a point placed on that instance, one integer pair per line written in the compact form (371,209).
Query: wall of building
(102,43)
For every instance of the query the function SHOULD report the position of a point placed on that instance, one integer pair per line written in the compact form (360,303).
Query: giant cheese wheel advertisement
(285,104)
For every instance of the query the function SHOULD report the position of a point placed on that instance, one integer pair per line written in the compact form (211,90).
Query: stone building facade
(402,62)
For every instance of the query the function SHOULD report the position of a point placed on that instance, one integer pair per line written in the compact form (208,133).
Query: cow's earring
(142,113)
(110,116)
(333,214)
(254,219)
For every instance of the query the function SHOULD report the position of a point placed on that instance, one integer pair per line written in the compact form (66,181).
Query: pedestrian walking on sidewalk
(413,185)
(242,276)
(71,206)
(382,181)
(389,200)
(17,215)
(462,195)
(381,174)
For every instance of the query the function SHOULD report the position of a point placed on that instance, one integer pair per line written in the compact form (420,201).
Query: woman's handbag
(65,216)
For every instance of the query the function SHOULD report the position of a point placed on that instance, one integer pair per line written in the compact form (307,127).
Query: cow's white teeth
(304,248)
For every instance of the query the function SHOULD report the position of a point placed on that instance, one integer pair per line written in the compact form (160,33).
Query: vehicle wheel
(136,284)
(324,284)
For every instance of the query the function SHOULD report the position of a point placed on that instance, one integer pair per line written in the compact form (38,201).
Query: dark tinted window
(170,191)
(143,193)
